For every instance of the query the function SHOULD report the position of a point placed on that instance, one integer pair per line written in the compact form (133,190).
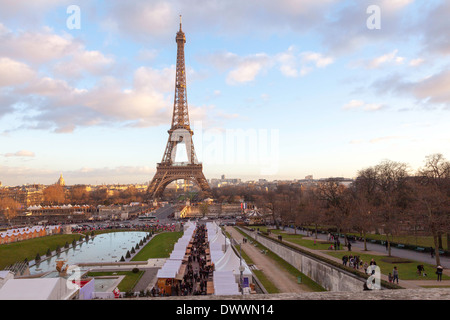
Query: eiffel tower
(180,132)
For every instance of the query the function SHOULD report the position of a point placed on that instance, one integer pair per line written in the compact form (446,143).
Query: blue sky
(303,86)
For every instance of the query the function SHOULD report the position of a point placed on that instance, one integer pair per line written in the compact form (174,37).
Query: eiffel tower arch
(180,132)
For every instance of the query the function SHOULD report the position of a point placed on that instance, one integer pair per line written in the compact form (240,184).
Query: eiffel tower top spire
(180,118)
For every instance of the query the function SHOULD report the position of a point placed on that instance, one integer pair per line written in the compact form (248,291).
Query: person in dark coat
(439,271)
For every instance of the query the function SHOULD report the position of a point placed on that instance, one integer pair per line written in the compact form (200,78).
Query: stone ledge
(400,294)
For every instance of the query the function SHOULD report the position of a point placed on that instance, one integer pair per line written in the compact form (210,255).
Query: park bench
(420,249)
(400,246)
(373,241)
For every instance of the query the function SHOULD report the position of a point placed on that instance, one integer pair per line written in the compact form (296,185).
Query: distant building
(61,181)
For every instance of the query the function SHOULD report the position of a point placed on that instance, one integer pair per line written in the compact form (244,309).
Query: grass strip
(160,246)
(288,267)
(128,282)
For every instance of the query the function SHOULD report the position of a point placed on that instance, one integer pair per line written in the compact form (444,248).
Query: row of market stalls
(174,268)
(19,234)
(229,269)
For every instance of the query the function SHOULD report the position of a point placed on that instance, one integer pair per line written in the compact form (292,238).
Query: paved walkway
(281,279)
(407,284)
(147,281)
(397,252)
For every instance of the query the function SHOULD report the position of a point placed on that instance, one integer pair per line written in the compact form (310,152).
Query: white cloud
(83,61)
(434,89)
(38,47)
(385,139)
(288,62)
(317,59)
(293,64)
(430,90)
(248,68)
(416,62)
(353,104)
(21,153)
(13,73)
(359,104)
(384,59)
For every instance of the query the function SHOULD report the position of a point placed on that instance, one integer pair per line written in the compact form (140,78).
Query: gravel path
(284,281)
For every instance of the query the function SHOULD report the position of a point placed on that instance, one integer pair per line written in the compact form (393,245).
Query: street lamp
(241,269)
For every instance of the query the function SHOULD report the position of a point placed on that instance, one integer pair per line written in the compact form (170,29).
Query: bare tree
(364,191)
(336,201)
(432,195)
(392,196)
(310,209)
(54,194)
(9,207)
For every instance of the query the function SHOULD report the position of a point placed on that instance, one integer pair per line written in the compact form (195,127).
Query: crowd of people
(198,272)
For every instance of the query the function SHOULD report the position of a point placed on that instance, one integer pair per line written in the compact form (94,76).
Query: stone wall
(326,275)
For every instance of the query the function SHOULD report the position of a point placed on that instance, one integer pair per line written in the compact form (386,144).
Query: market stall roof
(225,283)
(231,262)
(170,269)
(37,289)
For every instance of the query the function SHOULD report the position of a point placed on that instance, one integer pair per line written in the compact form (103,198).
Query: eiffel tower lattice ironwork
(180,132)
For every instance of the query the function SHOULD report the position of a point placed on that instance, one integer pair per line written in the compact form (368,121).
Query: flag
(116,292)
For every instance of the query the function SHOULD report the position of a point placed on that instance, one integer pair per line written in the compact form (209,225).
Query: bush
(132,250)
(122,259)
(38,257)
(128,255)
(135,270)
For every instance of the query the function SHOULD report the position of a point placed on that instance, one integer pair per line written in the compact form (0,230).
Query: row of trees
(384,198)
(56,195)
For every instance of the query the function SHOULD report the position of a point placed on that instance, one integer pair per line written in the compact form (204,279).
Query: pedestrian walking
(366,266)
(386,245)
(349,246)
(439,271)
(432,252)
(395,275)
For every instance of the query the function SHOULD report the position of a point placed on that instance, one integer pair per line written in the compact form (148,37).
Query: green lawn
(18,251)
(160,246)
(298,239)
(407,268)
(421,241)
(266,283)
(127,284)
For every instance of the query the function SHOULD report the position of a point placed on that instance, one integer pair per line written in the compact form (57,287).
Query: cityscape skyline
(276,92)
